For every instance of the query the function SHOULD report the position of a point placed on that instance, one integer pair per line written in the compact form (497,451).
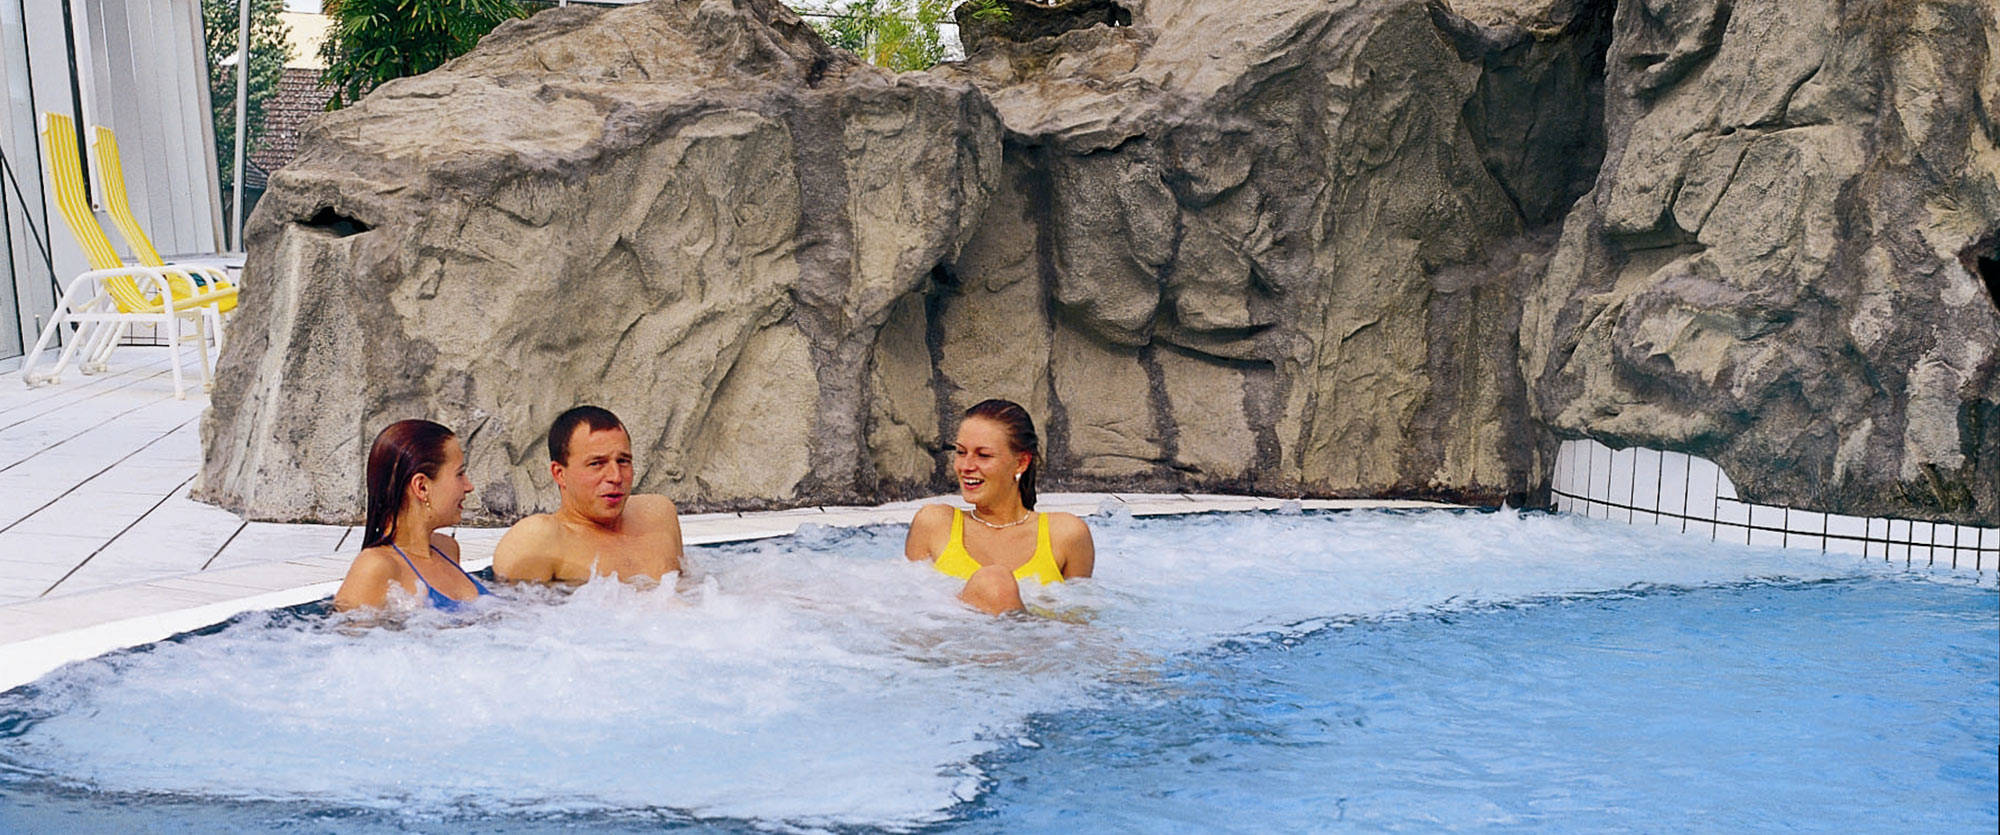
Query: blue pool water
(1257,672)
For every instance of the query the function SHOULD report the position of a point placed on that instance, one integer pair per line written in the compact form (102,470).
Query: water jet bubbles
(1111,508)
(967,789)
(816,535)
(813,680)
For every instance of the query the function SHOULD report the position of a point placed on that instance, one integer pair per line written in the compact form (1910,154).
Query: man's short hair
(597,419)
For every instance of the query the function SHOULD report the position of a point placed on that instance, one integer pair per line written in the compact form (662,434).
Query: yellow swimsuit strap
(1042,566)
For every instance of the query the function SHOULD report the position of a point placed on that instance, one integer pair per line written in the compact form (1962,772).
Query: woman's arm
(930,525)
(1070,538)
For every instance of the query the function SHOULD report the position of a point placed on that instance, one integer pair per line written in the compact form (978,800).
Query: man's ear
(556,473)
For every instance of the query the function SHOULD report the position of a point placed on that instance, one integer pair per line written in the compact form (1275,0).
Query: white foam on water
(819,679)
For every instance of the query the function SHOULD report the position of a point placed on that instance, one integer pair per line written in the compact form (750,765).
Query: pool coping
(38,636)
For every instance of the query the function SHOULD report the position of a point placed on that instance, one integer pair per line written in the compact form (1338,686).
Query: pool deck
(101,548)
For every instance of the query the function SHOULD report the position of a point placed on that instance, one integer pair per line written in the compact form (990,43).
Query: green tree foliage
(901,35)
(374,41)
(268,53)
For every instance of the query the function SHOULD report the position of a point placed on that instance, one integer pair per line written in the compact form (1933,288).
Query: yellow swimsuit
(957,563)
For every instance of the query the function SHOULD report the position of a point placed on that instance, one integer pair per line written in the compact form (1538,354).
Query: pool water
(1263,671)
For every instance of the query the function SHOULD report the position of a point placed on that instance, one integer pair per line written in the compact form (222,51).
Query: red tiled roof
(300,96)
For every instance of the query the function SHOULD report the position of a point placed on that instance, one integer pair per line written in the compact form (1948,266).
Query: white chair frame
(88,304)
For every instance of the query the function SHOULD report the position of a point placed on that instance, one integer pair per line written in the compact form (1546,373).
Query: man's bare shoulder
(536,528)
(652,510)
(528,550)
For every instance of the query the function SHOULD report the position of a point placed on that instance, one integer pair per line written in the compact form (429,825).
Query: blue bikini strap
(481,587)
(413,566)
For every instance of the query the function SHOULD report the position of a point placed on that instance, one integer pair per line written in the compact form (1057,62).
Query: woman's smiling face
(984,462)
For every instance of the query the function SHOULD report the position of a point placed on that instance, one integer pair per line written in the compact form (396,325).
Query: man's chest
(601,556)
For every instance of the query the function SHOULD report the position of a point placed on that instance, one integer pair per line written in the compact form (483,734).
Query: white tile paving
(257,542)
(85,510)
(93,481)
(64,550)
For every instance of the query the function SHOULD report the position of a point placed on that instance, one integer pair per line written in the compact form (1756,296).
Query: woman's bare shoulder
(932,514)
(445,544)
(368,578)
(377,561)
(927,531)
(1070,536)
(1061,523)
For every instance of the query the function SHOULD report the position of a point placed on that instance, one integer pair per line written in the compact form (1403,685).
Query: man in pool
(601,529)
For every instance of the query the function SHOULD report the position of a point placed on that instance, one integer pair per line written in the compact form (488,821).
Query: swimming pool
(1258,671)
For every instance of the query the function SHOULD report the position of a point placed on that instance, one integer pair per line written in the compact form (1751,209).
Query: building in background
(299,97)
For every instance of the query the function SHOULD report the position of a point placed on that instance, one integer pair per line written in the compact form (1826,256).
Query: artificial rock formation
(1282,243)
(693,213)
(1392,248)
(1779,265)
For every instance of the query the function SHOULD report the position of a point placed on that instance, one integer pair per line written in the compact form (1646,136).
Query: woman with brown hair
(416,485)
(995,459)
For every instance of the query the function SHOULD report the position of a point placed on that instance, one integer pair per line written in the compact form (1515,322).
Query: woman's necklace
(1024,518)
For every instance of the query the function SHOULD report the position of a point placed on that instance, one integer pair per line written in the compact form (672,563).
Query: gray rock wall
(1777,267)
(1274,252)
(1394,248)
(693,213)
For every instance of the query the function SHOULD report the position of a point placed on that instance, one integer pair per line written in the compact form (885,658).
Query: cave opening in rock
(332,221)
(1989,272)
(1027,20)
(1538,114)
(1982,259)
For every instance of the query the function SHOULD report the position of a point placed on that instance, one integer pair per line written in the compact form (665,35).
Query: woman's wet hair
(402,450)
(1020,435)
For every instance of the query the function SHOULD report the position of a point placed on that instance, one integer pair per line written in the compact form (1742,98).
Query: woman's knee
(992,590)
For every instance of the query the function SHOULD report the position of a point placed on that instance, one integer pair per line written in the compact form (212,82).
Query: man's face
(597,477)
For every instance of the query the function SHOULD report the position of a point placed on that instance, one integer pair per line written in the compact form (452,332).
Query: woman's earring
(1017,477)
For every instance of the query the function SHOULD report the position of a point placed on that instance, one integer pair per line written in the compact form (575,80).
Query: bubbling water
(818,679)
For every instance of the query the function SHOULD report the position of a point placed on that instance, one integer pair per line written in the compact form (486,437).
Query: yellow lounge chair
(111,174)
(112,296)
(205,278)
